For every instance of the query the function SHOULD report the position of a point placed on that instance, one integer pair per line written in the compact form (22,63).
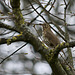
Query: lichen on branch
(18,17)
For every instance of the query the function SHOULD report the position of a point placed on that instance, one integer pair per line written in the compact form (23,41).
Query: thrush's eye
(51,44)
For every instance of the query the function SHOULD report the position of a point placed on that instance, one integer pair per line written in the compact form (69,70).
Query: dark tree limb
(11,40)
(2,25)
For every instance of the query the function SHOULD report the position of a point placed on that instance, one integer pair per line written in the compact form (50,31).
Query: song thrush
(49,38)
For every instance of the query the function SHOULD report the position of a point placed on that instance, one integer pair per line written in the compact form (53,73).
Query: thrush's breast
(50,38)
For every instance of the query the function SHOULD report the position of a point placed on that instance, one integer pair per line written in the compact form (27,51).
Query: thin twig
(47,11)
(39,13)
(70,59)
(13,53)
(30,12)
(52,5)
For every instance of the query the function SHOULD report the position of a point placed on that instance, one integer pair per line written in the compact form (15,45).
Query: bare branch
(52,5)
(2,25)
(63,45)
(9,41)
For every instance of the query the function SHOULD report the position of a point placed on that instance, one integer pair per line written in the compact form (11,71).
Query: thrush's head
(45,27)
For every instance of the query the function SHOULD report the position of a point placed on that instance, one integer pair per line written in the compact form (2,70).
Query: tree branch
(2,25)
(14,39)
(63,45)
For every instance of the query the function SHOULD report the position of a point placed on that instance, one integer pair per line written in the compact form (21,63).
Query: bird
(49,38)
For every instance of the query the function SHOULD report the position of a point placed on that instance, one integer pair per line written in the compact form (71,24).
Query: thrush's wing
(52,38)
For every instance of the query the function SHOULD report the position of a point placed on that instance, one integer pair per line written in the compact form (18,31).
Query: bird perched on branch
(49,38)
